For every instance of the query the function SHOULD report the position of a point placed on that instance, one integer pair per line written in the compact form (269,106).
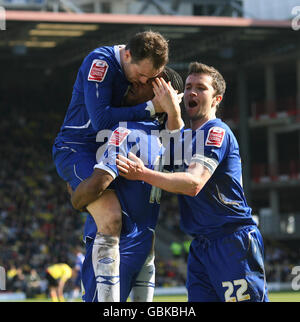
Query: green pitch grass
(285,296)
(274,297)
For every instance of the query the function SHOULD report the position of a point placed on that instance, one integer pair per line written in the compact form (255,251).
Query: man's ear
(217,100)
(127,56)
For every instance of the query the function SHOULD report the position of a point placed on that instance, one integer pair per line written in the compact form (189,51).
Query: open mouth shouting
(192,104)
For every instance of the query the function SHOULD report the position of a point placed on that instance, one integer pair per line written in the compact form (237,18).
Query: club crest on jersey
(118,136)
(215,137)
(98,70)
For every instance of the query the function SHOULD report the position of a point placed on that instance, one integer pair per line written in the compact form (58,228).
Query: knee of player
(115,221)
(111,225)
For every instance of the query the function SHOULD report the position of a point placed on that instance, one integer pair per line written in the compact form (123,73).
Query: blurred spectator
(169,272)
(176,249)
(17,280)
(186,248)
(79,258)
(34,284)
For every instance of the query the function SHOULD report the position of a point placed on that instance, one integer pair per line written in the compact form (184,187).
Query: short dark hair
(170,75)
(151,45)
(218,82)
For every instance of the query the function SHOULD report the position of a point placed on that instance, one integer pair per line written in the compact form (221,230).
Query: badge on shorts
(118,136)
(215,137)
(98,70)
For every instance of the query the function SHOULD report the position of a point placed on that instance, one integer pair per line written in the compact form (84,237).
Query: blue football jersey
(221,202)
(96,98)
(139,200)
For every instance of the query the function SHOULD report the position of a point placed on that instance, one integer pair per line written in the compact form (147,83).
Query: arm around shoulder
(188,183)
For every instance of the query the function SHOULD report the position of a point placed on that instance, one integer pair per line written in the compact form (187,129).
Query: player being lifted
(101,83)
(139,202)
(226,255)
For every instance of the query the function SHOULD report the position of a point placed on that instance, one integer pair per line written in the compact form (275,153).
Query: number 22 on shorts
(240,292)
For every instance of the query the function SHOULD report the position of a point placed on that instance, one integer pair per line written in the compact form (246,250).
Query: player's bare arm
(189,183)
(91,189)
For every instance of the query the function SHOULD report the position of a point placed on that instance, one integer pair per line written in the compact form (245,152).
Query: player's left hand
(130,168)
(168,97)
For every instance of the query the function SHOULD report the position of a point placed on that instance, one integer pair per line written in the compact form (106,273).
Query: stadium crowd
(39,226)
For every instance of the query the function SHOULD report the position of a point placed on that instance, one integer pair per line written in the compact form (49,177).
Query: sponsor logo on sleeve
(215,137)
(118,136)
(98,70)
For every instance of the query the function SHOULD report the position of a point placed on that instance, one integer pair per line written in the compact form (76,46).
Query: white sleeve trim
(174,131)
(150,108)
(102,166)
(209,163)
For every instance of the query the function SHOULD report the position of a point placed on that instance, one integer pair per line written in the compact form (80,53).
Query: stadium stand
(38,224)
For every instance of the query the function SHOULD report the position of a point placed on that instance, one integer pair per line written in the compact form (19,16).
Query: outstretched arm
(189,183)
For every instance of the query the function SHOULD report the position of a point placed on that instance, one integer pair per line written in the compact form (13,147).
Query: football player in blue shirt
(226,256)
(101,83)
(138,202)
(79,258)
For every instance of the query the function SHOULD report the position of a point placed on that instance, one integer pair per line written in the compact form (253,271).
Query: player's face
(199,96)
(139,93)
(140,71)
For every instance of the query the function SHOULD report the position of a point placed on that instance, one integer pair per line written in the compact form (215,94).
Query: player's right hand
(130,168)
